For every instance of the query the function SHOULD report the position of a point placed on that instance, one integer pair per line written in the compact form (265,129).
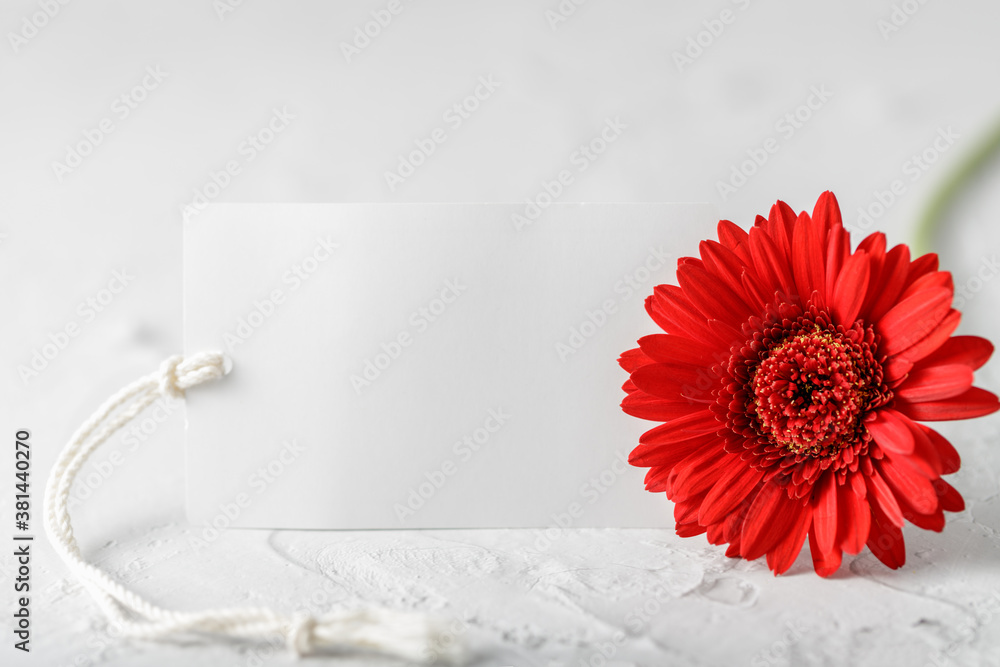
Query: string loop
(406,635)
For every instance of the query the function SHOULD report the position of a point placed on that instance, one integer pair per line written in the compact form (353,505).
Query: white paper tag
(423,365)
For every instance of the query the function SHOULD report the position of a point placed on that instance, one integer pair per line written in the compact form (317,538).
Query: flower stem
(945,195)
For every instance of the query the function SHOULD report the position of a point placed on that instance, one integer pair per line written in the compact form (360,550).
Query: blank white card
(423,365)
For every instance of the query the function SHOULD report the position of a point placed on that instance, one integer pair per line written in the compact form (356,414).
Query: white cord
(405,635)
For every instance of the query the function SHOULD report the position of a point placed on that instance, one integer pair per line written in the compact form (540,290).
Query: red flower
(791,381)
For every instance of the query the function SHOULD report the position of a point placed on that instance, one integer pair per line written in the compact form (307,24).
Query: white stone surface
(522,605)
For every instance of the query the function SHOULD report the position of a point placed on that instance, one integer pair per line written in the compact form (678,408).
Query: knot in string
(178,373)
(301,635)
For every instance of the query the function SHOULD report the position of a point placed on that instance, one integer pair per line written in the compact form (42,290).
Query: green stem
(945,195)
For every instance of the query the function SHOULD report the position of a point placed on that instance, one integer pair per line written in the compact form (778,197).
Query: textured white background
(680,601)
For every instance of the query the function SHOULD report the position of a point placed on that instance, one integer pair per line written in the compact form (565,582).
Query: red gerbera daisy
(792,378)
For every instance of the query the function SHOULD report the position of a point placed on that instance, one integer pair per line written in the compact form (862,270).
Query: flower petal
(724,264)
(676,381)
(838,249)
(825,511)
(783,554)
(949,456)
(920,266)
(934,521)
(771,515)
(890,430)
(683,318)
(668,455)
(712,297)
(891,278)
(853,518)
(934,279)
(950,499)
(935,383)
(633,359)
(645,406)
(912,319)
(808,258)
(735,238)
(671,348)
(771,265)
(684,428)
(975,402)
(729,492)
(686,510)
(971,351)
(933,340)
(880,496)
(692,529)
(925,457)
(656,479)
(780,225)
(826,212)
(850,289)
(909,485)
(698,473)
(874,245)
(895,370)
(825,563)
(886,540)
(654,308)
